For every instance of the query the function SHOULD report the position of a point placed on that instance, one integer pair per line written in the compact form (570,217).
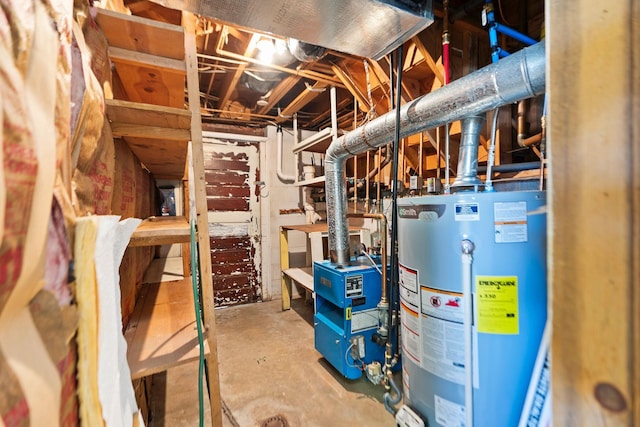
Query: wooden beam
(351,86)
(301,100)
(318,121)
(439,73)
(278,92)
(594,215)
(200,196)
(233,81)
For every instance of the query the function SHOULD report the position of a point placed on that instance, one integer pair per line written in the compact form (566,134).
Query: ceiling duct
(305,52)
(368,28)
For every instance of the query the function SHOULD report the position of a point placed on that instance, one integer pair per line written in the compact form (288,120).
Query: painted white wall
(280,195)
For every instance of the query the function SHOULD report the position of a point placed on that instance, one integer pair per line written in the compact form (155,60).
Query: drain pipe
(521,75)
(279,143)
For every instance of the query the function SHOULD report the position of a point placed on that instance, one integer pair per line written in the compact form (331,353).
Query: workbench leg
(284,264)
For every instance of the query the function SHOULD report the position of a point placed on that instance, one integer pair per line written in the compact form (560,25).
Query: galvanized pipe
(520,76)
(468,157)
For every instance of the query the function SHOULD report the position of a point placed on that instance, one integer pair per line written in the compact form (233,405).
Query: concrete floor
(269,367)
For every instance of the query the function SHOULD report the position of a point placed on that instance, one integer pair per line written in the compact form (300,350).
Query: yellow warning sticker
(497,299)
(347,313)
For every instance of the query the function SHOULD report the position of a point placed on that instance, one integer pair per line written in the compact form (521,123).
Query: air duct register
(368,28)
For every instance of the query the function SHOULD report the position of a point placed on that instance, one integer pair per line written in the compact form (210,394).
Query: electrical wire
(346,359)
(194,283)
(372,261)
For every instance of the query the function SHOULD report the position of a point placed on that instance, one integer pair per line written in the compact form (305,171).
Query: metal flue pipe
(520,76)
(468,158)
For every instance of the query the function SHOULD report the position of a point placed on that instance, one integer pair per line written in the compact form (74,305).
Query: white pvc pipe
(279,143)
(537,384)
(467,261)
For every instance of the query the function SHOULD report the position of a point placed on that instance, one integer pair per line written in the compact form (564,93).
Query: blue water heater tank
(509,296)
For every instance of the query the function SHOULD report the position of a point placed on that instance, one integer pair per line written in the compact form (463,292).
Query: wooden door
(231,173)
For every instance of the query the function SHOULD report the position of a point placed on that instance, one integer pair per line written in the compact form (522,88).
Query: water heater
(505,239)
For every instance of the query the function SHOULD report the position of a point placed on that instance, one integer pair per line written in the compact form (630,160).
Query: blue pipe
(508,31)
(495,28)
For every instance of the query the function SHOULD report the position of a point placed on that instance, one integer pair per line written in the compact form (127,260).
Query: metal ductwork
(368,28)
(467,175)
(519,76)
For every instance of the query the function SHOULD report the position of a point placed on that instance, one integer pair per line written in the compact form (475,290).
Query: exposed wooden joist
(437,70)
(352,87)
(325,116)
(233,81)
(404,95)
(301,100)
(278,92)
(319,77)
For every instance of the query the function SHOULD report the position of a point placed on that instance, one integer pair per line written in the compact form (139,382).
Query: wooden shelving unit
(162,330)
(152,63)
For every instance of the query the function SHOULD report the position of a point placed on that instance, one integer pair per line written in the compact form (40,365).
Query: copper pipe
(383,246)
(522,112)
(532,140)
(522,140)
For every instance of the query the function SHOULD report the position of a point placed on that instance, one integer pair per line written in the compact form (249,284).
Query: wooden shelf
(318,181)
(161,230)
(162,332)
(317,143)
(148,57)
(157,135)
(303,276)
(141,34)
(138,113)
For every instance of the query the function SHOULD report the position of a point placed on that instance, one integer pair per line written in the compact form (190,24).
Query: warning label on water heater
(497,298)
(442,333)
(510,222)
(409,287)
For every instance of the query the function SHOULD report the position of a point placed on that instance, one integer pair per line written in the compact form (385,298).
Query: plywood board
(152,85)
(165,159)
(162,331)
(141,34)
